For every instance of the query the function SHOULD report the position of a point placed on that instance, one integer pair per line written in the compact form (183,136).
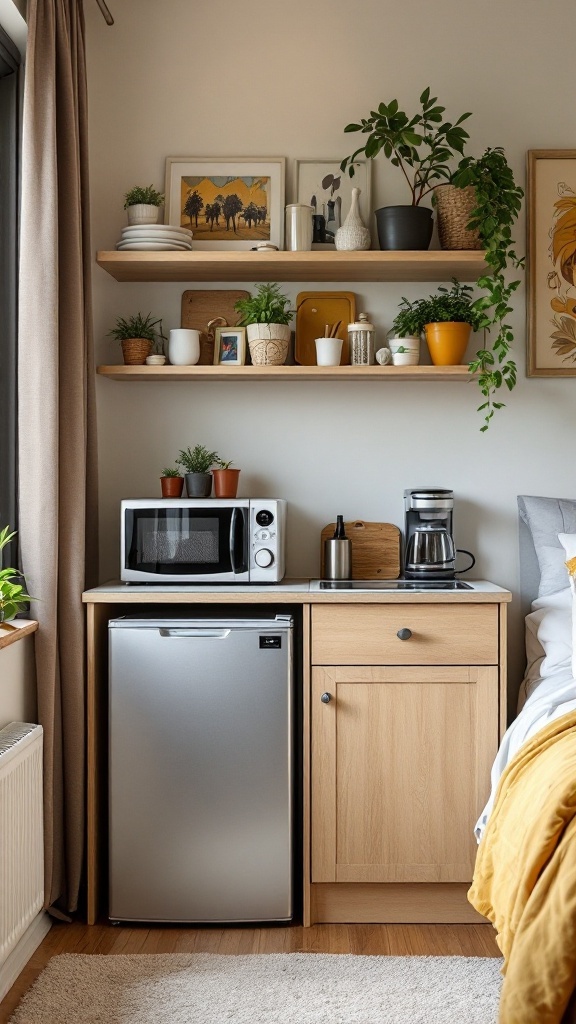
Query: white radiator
(21,832)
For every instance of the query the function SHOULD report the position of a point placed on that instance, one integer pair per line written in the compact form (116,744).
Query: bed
(525,876)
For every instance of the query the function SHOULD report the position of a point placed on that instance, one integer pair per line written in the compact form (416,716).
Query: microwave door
(187,545)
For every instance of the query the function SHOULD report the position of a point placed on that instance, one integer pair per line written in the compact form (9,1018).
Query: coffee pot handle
(462,551)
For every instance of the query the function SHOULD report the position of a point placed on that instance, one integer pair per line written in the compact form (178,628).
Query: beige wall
(271,78)
(17,682)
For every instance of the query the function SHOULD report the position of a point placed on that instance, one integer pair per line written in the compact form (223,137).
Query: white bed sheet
(548,690)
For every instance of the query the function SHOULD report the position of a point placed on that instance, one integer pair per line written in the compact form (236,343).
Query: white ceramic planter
(143,213)
(410,354)
(268,343)
(184,346)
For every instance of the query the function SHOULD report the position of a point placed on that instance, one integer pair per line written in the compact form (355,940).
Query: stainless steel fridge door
(200,770)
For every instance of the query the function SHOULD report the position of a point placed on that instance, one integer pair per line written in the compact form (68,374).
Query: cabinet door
(401,762)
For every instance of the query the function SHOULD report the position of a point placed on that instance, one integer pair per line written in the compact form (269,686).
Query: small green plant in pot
(13,598)
(171,483)
(447,317)
(225,479)
(142,204)
(422,147)
(266,317)
(139,335)
(197,463)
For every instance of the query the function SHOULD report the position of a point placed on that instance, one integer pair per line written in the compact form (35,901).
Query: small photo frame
(230,346)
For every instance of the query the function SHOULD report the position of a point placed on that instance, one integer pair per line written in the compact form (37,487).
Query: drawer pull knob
(404,634)
(326,698)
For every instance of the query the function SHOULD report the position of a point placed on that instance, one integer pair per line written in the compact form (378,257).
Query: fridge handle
(237,541)
(211,634)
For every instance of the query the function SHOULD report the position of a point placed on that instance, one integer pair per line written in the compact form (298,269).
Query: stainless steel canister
(298,227)
(337,559)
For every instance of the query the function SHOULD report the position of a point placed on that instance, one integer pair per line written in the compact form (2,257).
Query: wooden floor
(383,940)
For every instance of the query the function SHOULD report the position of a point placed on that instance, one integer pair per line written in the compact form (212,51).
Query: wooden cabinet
(403,736)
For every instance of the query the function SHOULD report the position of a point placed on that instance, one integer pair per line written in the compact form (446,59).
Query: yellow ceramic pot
(447,342)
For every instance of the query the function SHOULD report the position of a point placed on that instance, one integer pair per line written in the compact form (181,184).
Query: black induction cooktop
(419,586)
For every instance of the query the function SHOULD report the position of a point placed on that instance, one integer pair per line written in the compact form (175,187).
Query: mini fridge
(201,721)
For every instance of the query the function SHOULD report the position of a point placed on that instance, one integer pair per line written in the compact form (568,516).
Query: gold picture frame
(230,346)
(551,328)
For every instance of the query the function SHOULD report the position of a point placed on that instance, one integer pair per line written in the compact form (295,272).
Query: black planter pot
(404,227)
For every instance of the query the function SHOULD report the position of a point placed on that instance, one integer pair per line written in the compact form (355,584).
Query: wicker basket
(135,351)
(268,343)
(454,206)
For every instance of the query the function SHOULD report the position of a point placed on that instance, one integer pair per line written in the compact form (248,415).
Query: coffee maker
(429,552)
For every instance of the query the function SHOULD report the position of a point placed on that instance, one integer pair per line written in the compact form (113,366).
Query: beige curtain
(57,448)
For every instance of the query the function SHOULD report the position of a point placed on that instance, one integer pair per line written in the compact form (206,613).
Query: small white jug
(184,346)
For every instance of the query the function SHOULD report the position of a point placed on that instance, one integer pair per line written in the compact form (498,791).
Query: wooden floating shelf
(285,373)
(438,265)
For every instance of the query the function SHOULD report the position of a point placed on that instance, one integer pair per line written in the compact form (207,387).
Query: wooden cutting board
(375,549)
(200,307)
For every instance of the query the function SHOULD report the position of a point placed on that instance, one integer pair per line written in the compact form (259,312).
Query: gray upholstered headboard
(529,568)
(542,557)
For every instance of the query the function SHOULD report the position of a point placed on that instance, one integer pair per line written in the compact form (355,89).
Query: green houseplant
(13,598)
(142,203)
(171,483)
(225,479)
(421,146)
(196,463)
(446,317)
(138,336)
(266,316)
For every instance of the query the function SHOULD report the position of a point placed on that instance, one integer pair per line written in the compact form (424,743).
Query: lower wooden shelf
(276,373)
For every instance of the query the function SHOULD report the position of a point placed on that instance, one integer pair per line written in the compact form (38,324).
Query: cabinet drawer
(367,634)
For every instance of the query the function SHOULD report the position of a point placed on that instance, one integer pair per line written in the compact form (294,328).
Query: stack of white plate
(155,238)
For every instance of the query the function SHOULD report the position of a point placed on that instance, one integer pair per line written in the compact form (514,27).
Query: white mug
(328,351)
(184,346)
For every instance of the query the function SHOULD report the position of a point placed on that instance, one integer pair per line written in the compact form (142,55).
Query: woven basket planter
(454,207)
(268,343)
(135,351)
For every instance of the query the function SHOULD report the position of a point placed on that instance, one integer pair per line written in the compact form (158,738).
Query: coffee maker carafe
(429,552)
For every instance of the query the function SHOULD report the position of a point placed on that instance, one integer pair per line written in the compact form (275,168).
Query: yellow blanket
(525,876)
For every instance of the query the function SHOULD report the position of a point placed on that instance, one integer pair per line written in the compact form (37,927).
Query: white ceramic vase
(184,347)
(143,213)
(353,235)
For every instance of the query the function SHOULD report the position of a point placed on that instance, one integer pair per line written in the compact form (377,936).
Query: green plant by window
(146,194)
(171,472)
(13,598)
(197,459)
(268,306)
(498,203)
(454,305)
(421,146)
(138,326)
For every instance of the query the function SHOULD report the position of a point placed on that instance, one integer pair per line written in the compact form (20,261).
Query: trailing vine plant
(498,203)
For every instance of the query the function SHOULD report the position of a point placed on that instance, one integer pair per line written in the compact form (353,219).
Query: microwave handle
(237,541)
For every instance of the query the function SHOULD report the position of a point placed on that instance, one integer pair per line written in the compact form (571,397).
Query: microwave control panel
(267,539)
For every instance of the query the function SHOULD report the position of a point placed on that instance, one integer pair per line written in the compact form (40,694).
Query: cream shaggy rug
(275,988)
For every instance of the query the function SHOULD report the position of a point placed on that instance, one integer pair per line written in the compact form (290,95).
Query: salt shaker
(361,338)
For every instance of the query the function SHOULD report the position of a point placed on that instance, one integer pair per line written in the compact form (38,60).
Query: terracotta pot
(135,351)
(447,342)
(171,486)
(225,482)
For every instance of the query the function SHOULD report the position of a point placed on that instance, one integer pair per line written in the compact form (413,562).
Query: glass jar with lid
(361,340)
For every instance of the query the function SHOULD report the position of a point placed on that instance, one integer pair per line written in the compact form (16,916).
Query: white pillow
(568,542)
(548,641)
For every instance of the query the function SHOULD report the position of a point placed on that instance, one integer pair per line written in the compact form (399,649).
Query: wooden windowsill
(10,632)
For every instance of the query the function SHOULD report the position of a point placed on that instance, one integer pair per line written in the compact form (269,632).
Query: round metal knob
(326,698)
(404,634)
(264,558)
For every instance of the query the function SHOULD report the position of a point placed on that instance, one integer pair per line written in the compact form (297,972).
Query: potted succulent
(447,318)
(196,463)
(142,204)
(225,479)
(266,316)
(421,146)
(496,204)
(171,483)
(138,335)
(13,598)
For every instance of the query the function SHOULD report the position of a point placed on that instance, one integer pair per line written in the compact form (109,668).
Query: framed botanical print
(551,263)
(228,204)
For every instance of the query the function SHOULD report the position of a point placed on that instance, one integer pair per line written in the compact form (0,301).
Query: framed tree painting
(228,204)
(552,263)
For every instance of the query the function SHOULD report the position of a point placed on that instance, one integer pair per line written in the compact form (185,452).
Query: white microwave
(203,540)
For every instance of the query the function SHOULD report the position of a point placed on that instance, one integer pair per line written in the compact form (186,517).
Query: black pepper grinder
(338,554)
